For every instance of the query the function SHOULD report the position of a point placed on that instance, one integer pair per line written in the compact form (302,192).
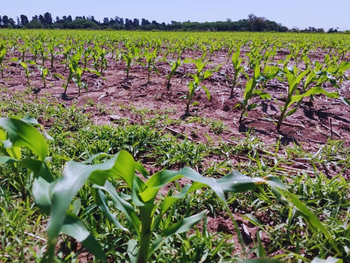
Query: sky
(293,13)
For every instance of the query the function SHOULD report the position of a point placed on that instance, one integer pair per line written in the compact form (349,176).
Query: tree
(136,22)
(5,21)
(12,23)
(47,18)
(145,22)
(34,24)
(24,20)
(128,23)
(106,21)
(41,19)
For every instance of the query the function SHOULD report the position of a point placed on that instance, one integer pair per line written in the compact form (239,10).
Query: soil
(310,127)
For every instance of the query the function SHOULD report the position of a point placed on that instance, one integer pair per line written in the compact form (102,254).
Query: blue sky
(300,13)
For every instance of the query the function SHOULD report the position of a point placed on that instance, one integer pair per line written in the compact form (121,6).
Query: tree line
(252,24)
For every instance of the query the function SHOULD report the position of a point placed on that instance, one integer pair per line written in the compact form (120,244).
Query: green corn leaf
(123,206)
(101,202)
(235,182)
(162,178)
(235,57)
(132,250)
(22,134)
(344,66)
(252,106)
(24,65)
(42,195)
(314,91)
(170,200)
(292,83)
(249,89)
(291,112)
(74,177)
(206,91)
(75,228)
(302,75)
(257,70)
(346,101)
(183,225)
(207,74)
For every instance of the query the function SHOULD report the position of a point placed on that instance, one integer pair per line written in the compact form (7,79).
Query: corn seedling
(151,57)
(194,85)
(25,66)
(237,67)
(43,73)
(174,65)
(250,90)
(53,53)
(100,62)
(2,58)
(128,56)
(87,55)
(293,95)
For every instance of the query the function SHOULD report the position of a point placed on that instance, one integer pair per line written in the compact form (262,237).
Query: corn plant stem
(187,112)
(21,184)
(233,85)
(149,75)
(145,235)
(243,111)
(168,83)
(283,113)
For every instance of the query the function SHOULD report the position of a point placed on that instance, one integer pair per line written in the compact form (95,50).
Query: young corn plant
(53,53)
(87,52)
(238,68)
(251,91)
(174,65)
(194,85)
(43,73)
(25,66)
(293,95)
(75,73)
(131,53)
(151,57)
(100,62)
(2,58)
(35,47)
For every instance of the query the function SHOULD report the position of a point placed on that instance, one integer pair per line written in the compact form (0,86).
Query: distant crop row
(302,65)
